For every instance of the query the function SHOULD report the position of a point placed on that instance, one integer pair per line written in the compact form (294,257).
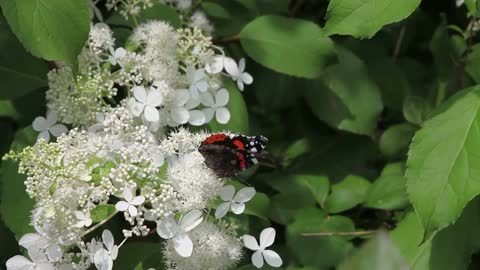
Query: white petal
(33,241)
(267,236)
(244,194)
(190,73)
(45,135)
(207,99)
(157,159)
(19,263)
(231,66)
(127,194)
(107,238)
(202,86)
(120,52)
(138,200)
(114,252)
(122,206)
(209,113)
(222,97)
(37,256)
(40,124)
(191,220)
(154,98)
(183,245)
(215,65)
(180,115)
(257,259)
(151,114)
(79,215)
(222,210)
(136,108)
(272,258)
(238,208)
(45,266)
(88,222)
(227,192)
(192,103)
(167,228)
(246,78)
(140,94)
(241,65)
(132,210)
(51,118)
(197,118)
(58,130)
(240,84)
(199,74)
(222,115)
(54,253)
(181,97)
(250,242)
(194,91)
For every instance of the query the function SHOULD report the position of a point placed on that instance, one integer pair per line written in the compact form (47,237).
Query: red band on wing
(241,158)
(239,144)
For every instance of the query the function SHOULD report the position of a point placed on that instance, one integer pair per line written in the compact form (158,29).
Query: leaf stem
(340,233)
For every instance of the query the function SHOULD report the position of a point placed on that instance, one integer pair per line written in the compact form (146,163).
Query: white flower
(215,65)
(106,254)
(146,103)
(130,203)
(237,72)
(38,262)
(116,55)
(267,236)
(84,219)
(94,11)
(169,229)
(236,203)
(196,80)
(216,106)
(35,243)
(181,110)
(47,126)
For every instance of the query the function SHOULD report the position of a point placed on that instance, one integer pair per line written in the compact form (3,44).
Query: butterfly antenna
(243,180)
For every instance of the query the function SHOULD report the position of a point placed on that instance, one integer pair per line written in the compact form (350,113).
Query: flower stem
(99,224)
(339,233)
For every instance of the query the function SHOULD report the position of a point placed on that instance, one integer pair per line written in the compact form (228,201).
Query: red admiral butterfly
(228,155)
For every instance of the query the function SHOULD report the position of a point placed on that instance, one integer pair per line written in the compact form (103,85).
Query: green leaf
(9,246)
(158,11)
(53,29)
(319,251)
(20,72)
(285,206)
(139,267)
(149,255)
(377,254)
(347,194)
(473,62)
(443,167)
(472,7)
(318,185)
(259,206)
(7,109)
(364,18)
(101,212)
(347,99)
(16,205)
(291,46)
(416,109)
(396,139)
(388,191)
(238,112)
(448,249)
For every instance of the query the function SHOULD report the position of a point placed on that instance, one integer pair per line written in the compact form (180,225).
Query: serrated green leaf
(285,206)
(443,167)
(319,251)
(388,191)
(364,18)
(347,194)
(377,254)
(291,46)
(101,212)
(53,29)
(346,99)
(396,139)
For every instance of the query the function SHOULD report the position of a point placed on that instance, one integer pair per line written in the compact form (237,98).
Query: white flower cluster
(164,77)
(85,178)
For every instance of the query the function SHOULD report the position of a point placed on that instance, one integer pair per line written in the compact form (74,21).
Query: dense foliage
(371,109)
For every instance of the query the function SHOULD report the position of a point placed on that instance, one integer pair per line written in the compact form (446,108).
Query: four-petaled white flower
(168,228)
(36,243)
(234,201)
(237,72)
(216,106)
(48,125)
(130,203)
(38,261)
(146,103)
(267,236)
(116,55)
(197,82)
(104,255)
(215,65)
(84,219)
(182,111)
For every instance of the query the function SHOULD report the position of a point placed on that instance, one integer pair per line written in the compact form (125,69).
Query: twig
(296,6)
(398,45)
(218,41)
(340,233)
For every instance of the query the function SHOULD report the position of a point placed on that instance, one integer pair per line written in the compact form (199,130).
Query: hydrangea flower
(105,254)
(145,103)
(38,262)
(196,79)
(130,203)
(47,126)
(233,201)
(84,219)
(216,106)
(267,237)
(169,229)
(237,72)
(116,56)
